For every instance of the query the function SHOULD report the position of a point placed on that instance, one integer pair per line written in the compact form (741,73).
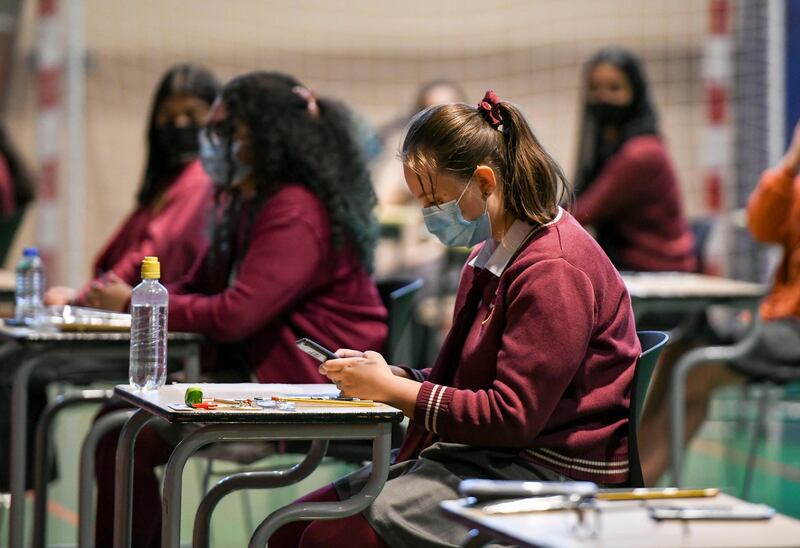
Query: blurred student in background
(175,194)
(390,186)
(291,257)
(773,216)
(625,185)
(16,192)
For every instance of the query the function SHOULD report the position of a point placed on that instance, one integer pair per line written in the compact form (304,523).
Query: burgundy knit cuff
(433,401)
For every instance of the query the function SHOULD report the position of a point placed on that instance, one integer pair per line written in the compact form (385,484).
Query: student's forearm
(402,394)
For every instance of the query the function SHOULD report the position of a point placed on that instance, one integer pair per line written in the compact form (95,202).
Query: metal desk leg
(123,480)
(100,428)
(252,480)
(43,454)
(19,444)
(381,449)
(689,361)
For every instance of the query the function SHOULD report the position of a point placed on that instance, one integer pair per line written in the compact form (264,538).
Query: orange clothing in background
(773,215)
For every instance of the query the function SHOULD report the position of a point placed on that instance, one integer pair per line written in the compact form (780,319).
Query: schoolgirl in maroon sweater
(626,185)
(175,195)
(533,380)
(291,256)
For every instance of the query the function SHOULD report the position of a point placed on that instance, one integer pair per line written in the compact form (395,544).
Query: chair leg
(5,502)
(758,433)
(247,505)
(207,475)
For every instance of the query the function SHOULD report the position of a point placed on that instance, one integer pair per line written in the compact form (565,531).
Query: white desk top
(158,401)
(32,335)
(684,285)
(628,525)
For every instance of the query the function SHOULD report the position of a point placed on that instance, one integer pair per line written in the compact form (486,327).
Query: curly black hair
(313,147)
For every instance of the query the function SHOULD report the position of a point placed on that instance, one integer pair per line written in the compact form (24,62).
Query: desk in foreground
(629,525)
(313,422)
(158,403)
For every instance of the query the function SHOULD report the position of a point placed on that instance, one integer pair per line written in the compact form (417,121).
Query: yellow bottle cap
(151,269)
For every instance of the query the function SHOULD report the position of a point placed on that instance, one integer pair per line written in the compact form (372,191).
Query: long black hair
(307,140)
(182,79)
(21,180)
(641,119)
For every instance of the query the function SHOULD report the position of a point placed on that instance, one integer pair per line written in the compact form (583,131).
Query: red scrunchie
(490,108)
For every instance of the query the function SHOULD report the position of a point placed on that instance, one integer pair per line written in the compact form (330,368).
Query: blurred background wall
(374,54)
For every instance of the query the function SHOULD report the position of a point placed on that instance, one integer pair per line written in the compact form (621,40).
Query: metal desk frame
(377,429)
(35,349)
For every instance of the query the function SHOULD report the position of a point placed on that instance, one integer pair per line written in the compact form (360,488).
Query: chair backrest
(398,298)
(652,343)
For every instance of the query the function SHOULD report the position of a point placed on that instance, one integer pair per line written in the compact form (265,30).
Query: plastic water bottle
(149,300)
(29,291)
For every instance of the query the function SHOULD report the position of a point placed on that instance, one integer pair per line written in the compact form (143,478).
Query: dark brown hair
(457,138)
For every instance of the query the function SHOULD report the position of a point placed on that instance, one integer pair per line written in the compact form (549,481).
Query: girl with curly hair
(290,257)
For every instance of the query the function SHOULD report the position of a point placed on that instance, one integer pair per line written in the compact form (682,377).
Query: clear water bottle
(149,300)
(29,292)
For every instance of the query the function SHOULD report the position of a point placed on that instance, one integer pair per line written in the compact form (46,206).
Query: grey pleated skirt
(406,513)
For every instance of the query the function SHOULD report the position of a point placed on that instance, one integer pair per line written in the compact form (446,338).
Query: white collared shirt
(494,256)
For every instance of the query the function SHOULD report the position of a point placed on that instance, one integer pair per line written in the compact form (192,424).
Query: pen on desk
(656,493)
(326,401)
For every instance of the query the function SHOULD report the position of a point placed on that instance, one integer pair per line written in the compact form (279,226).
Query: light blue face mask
(447,223)
(216,164)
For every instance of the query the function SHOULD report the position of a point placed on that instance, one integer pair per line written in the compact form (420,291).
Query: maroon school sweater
(635,206)
(547,364)
(291,283)
(172,229)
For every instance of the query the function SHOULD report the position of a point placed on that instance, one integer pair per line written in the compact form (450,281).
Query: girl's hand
(113,294)
(367,376)
(360,375)
(59,295)
(792,157)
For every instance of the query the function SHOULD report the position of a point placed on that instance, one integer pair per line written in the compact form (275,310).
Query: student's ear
(487,182)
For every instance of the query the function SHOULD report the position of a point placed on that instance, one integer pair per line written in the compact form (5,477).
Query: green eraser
(194,394)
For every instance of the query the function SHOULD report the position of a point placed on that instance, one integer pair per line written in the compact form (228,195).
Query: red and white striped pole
(717,75)
(50,63)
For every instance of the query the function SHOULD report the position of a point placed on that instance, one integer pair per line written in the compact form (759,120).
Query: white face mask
(223,173)
(447,222)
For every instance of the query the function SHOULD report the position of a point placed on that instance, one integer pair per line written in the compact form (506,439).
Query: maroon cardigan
(291,283)
(635,206)
(173,229)
(547,365)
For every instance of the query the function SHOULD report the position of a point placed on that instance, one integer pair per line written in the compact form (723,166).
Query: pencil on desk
(323,401)
(652,494)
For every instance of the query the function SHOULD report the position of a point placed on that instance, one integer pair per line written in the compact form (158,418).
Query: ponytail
(457,138)
(533,182)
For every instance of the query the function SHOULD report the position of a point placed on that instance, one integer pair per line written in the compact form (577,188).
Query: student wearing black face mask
(625,183)
(175,195)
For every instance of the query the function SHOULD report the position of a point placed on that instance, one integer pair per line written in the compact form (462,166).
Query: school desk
(33,350)
(303,422)
(623,524)
(687,293)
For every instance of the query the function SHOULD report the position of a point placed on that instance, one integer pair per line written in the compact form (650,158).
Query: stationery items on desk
(325,400)
(283,403)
